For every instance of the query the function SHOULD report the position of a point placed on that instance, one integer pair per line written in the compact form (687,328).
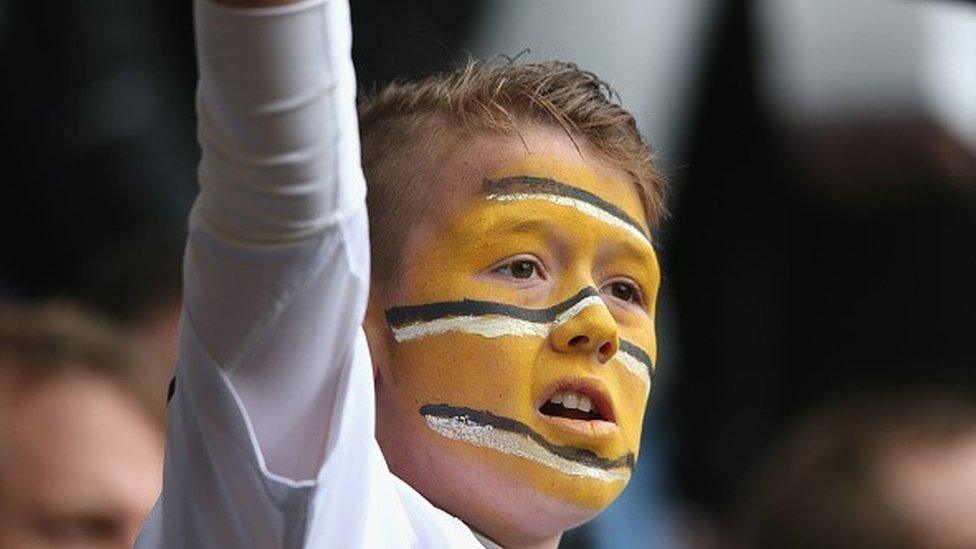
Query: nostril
(579,340)
(605,350)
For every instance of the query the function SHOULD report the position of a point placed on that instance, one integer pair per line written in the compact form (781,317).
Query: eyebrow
(632,252)
(523,187)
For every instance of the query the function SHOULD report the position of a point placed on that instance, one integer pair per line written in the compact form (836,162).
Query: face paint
(491,319)
(518,439)
(482,358)
(519,188)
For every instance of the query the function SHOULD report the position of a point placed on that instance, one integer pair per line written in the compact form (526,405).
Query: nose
(592,331)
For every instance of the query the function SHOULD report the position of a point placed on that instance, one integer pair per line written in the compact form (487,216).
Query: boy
(508,336)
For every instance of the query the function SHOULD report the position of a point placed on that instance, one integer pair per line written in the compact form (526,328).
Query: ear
(378,336)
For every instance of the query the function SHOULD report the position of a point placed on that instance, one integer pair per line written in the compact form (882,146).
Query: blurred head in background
(81,432)
(878,473)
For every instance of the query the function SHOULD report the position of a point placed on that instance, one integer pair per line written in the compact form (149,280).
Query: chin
(509,499)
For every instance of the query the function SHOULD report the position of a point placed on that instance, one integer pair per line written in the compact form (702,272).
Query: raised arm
(277,265)
(276,279)
(277,120)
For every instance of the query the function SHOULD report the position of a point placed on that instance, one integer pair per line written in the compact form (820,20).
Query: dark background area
(807,264)
(804,261)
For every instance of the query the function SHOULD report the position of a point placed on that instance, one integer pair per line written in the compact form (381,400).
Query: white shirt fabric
(270,430)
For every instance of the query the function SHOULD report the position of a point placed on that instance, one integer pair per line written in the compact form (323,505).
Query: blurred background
(822,238)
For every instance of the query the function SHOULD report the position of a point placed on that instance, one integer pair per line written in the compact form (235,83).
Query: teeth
(584,404)
(573,401)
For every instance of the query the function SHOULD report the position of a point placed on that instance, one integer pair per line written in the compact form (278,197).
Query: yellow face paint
(542,377)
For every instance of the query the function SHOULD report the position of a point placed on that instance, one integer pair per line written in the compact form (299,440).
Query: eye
(625,291)
(521,268)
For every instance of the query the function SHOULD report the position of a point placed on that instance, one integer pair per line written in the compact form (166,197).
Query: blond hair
(402,122)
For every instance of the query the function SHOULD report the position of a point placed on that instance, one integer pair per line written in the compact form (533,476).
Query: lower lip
(594,428)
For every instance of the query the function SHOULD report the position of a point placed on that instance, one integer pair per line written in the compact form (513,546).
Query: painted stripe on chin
(518,188)
(513,437)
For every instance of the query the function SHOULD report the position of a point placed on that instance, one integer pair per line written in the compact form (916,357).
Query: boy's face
(517,353)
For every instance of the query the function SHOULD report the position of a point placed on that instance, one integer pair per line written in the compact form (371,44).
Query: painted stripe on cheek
(633,366)
(636,361)
(477,325)
(512,437)
(577,308)
(399,316)
(491,319)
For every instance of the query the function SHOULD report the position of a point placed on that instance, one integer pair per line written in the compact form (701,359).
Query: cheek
(501,375)
(631,398)
(493,374)
(632,393)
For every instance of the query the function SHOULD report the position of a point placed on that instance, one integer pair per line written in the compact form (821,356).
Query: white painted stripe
(576,309)
(506,442)
(633,366)
(501,326)
(485,326)
(496,326)
(583,207)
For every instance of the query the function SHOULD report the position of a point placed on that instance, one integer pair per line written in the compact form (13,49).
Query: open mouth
(580,401)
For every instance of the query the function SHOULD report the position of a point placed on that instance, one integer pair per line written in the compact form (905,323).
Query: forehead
(538,161)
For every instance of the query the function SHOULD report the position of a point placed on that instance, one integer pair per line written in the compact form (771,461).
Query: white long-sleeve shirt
(270,430)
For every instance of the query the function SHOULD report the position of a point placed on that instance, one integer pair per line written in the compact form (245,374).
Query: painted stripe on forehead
(513,437)
(525,187)
(399,316)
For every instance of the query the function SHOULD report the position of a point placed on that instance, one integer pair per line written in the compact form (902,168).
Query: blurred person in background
(880,472)
(96,129)
(81,431)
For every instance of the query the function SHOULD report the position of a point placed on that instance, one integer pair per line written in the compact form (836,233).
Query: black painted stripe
(529,184)
(399,316)
(638,353)
(481,417)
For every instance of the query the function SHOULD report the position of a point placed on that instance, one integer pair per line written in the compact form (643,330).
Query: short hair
(821,486)
(402,121)
(40,344)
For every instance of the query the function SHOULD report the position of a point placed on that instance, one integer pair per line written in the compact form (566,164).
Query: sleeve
(278,256)
(275,280)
